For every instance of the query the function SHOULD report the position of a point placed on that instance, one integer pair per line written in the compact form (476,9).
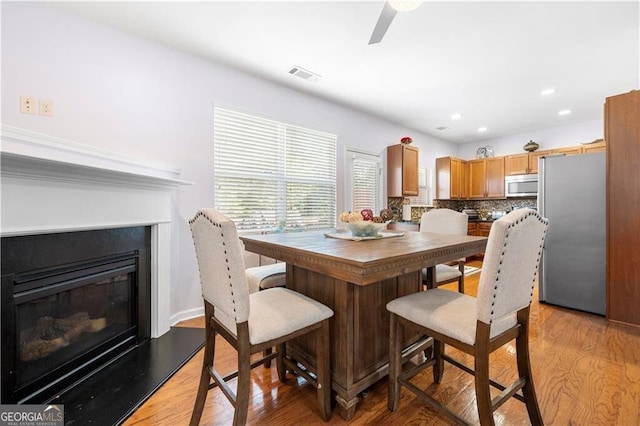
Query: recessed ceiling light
(548,91)
(456,116)
(404,5)
(564,112)
(482,129)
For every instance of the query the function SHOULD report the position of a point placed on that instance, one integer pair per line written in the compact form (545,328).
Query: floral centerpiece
(362,223)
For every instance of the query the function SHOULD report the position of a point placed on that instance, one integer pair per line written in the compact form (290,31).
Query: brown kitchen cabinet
(533,159)
(517,164)
(622,133)
(569,150)
(451,178)
(483,229)
(598,146)
(402,170)
(403,226)
(472,228)
(486,178)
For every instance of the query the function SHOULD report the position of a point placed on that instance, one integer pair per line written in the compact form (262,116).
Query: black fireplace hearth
(71,304)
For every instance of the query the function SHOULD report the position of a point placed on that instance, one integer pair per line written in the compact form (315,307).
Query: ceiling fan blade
(386,16)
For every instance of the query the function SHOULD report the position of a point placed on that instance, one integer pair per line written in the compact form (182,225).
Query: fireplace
(51,186)
(71,303)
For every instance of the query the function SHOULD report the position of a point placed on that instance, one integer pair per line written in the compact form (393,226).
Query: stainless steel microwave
(521,185)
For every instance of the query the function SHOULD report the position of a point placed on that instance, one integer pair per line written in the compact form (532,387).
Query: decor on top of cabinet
(485,152)
(406,140)
(531,146)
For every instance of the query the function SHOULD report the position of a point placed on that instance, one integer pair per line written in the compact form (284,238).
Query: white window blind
(363,180)
(269,174)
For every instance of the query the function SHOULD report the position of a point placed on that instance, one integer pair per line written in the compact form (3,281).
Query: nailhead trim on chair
(512,225)
(219,226)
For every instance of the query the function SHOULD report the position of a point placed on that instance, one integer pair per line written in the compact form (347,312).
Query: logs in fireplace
(71,303)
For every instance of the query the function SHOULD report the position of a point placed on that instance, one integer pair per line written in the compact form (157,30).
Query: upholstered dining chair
(264,277)
(253,322)
(444,221)
(268,276)
(478,326)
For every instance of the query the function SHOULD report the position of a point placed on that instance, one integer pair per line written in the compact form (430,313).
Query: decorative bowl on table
(365,228)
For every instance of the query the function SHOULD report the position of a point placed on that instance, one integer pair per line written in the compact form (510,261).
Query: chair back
(510,264)
(444,221)
(221,265)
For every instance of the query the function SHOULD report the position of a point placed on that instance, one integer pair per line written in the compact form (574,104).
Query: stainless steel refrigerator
(571,194)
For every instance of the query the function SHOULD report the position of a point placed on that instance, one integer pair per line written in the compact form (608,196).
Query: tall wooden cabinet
(402,170)
(622,135)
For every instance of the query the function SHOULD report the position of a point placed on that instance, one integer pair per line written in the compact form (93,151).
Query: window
(425,192)
(364,187)
(270,175)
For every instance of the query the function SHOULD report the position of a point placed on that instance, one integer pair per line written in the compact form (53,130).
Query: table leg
(347,409)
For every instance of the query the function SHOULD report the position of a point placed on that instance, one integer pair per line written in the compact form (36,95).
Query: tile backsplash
(485,207)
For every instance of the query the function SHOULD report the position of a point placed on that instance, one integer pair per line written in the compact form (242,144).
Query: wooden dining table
(357,279)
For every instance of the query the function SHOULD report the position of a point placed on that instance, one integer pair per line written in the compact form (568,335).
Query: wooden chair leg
(461,279)
(323,372)
(282,370)
(244,380)
(395,363)
(267,352)
(524,371)
(438,367)
(207,363)
(483,393)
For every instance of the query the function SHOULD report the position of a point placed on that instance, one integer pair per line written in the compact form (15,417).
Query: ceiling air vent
(442,128)
(303,73)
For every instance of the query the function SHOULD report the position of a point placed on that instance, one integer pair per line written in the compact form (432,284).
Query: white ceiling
(488,61)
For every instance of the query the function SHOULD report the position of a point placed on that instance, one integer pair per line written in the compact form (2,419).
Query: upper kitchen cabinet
(595,146)
(517,164)
(402,171)
(569,150)
(486,178)
(522,164)
(451,178)
(622,133)
(533,159)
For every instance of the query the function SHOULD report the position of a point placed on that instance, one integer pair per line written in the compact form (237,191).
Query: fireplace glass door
(77,317)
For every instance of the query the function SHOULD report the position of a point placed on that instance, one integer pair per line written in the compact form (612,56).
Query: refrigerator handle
(541,174)
(542,270)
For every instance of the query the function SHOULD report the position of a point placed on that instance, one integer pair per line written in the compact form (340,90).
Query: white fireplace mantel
(51,184)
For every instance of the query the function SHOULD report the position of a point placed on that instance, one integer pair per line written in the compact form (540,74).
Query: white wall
(126,94)
(553,137)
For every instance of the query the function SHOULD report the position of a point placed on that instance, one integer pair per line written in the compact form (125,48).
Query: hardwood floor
(586,372)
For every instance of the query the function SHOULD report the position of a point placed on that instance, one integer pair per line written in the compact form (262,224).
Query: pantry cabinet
(622,133)
(486,178)
(451,178)
(402,171)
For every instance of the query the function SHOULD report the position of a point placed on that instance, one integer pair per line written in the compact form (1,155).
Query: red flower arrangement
(406,140)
